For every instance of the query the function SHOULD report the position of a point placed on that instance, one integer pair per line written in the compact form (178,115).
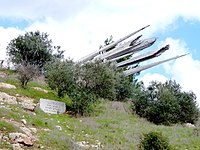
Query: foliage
(154,141)
(34,48)
(26,72)
(188,107)
(60,76)
(99,78)
(124,88)
(166,104)
(84,84)
(82,100)
(112,128)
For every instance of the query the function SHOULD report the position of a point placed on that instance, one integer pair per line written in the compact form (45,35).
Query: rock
(13,137)
(7,98)
(20,138)
(34,130)
(45,129)
(41,146)
(189,125)
(3,74)
(28,106)
(7,86)
(17,95)
(59,128)
(27,131)
(27,103)
(27,141)
(40,89)
(17,147)
(5,138)
(24,121)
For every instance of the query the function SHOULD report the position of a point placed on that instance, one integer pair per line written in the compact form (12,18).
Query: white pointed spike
(112,45)
(138,46)
(138,69)
(117,58)
(143,57)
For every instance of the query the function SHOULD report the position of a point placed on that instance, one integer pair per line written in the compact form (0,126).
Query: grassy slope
(113,128)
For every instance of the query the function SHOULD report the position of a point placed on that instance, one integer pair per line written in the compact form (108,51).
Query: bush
(99,78)
(85,83)
(154,141)
(165,109)
(189,112)
(60,76)
(26,72)
(123,87)
(166,104)
(82,100)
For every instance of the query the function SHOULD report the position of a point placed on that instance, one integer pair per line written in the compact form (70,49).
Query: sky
(81,26)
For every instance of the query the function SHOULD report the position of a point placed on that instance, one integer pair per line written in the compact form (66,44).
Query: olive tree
(34,48)
(99,78)
(26,73)
(166,103)
(60,76)
(30,52)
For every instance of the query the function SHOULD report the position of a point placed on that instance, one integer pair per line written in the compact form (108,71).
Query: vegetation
(60,76)
(166,104)
(7,127)
(87,83)
(110,123)
(26,73)
(33,48)
(124,88)
(30,53)
(98,78)
(154,141)
(100,90)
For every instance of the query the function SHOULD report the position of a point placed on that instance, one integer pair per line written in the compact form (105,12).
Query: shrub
(85,83)
(165,109)
(82,100)
(72,79)
(154,141)
(26,72)
(166,104)
(99,78)
(60,76)
(123,87)
(188,107)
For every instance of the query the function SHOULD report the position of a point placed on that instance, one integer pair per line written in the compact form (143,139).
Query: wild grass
(5,145)
(31,92)
(112,125)
(7,127)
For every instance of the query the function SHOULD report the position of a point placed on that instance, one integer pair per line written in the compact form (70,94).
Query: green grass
(5,145)
(32,93)
(15,112)
(113,128)
(7,127)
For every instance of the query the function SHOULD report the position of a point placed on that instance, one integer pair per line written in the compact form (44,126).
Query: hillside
(112,126)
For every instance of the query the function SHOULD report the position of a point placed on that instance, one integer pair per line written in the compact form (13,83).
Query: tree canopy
(32,48)
(165,103)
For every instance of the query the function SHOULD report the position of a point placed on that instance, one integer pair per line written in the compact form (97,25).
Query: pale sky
(80,26)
